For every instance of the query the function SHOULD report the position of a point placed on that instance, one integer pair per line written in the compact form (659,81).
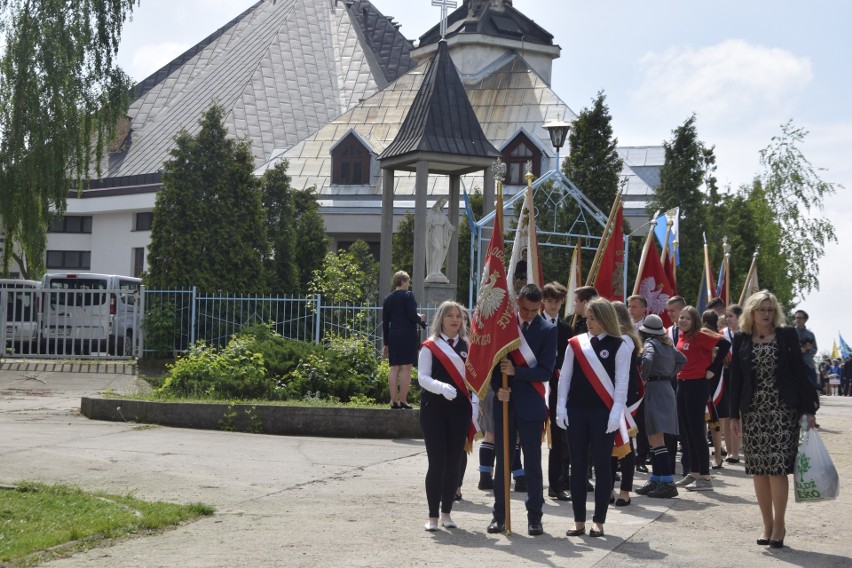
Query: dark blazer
(399,311)
(790,375)
(527,403)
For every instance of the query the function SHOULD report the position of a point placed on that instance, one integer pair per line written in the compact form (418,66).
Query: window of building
(71,224)
(138,261)
(69,259)
(516,154)
(350,162)
(144,221)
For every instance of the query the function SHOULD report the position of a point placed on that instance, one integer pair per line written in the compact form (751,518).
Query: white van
(19,312)
(89,313)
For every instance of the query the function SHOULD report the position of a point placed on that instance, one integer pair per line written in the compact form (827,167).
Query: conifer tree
(282,269)
(209,223)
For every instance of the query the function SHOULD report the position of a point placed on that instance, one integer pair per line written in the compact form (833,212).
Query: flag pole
(644,258)
(751,270)
(727,248)
(707,279)
(593,271)
(669,224)
(507,473)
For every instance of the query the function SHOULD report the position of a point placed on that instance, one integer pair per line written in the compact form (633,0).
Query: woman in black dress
(399,326)
(445,410)
(770,392)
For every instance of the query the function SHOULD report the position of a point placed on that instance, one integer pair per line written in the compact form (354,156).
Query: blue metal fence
(174,319)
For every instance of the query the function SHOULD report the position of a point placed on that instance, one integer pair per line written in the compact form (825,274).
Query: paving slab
(304,502)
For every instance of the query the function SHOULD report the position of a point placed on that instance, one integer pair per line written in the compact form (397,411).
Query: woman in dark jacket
(399,326)
(770,392)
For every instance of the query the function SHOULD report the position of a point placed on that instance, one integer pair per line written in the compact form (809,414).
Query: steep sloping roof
(281,70)
(441,119)
(506,97)
(506,22)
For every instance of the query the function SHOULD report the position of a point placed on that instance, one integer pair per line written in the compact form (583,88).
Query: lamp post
(558,131)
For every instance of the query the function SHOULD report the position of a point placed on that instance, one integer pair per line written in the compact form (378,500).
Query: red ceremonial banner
(493,326)
(654,285)
(609,281)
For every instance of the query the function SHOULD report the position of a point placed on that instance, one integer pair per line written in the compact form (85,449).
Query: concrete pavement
(298,501)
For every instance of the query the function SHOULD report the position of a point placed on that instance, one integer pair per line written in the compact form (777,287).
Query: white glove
(562,418)
(449,391)
(614,419)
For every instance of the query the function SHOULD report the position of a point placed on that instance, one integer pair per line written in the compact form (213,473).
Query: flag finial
(444,5)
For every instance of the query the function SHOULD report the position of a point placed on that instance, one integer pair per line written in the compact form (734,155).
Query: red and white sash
(602,383)
(454,365)
(523,356)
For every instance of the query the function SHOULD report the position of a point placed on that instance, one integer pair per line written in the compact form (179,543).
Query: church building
(327,85)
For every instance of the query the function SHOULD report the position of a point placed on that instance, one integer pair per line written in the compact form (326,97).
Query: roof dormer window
(350,162)
(516,154)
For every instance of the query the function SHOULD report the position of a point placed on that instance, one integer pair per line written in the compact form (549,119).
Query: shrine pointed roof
(441,119)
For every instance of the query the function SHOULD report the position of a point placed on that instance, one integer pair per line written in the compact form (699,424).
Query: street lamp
(558,131)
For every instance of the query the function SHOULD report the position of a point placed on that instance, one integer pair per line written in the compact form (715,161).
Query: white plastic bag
(814,474)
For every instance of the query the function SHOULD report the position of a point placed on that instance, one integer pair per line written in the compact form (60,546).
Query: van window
(82,299)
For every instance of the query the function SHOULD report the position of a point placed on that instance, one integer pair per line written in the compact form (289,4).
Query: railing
(174,319)
(35,323)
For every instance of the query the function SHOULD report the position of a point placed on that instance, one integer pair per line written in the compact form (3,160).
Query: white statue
(438,235)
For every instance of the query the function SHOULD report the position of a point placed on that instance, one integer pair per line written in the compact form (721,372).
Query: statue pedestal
(436,293)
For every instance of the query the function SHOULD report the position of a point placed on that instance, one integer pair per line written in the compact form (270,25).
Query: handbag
(814,473)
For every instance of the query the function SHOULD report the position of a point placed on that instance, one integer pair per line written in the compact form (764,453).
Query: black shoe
(521,484)
(763,541)
(589,487)
(486,482)
(535,529)
(648,487)
(642,467)
(621,502)
(576,532)
(458,497)
(595,534)
(404,405)
(558,494)
(496,527)
(776,543)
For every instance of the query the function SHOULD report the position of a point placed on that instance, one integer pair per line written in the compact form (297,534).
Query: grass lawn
(39,522)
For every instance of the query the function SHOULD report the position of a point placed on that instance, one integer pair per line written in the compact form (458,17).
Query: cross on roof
(444,4)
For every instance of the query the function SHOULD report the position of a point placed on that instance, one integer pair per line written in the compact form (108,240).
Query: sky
(743,68)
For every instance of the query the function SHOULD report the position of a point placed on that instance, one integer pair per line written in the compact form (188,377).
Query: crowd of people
(625,392)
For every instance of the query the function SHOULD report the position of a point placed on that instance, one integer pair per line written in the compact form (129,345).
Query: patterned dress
(770,427)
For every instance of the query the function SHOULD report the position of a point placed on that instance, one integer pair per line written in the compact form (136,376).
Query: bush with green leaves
(235,372)
(160,327)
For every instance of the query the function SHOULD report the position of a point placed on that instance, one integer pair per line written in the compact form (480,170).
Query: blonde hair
(626,324)
(753,303)
(605,315)
(437,323)
(399,278)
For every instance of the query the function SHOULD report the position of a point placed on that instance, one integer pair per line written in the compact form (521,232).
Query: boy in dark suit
(558,460)
(528,368)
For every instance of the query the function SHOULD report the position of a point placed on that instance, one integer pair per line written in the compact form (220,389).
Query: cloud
(721,82)
(148,58)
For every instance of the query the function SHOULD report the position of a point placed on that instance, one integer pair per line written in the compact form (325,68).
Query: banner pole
(507,472)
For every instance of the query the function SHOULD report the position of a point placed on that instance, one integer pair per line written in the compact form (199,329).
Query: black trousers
(692,398)
(444,424)
(559,457)
(587,431)
(530,434)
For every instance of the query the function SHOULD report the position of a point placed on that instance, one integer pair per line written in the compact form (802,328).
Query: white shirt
(424,367)
(622,373)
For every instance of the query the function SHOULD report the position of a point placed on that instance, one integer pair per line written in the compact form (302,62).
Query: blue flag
(845,351)
(660,230)
(471,222)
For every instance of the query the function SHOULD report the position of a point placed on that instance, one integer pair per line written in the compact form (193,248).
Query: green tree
(368,268)
(340,280)
(402,246)
(593,163)
(311,238)
(687,181)
(796,194)
(61,96)
(282,269)
(209,228)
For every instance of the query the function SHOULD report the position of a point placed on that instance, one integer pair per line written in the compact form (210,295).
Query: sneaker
(664,491)
(687,479)
(648,487)
(521,484)
(700,484)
